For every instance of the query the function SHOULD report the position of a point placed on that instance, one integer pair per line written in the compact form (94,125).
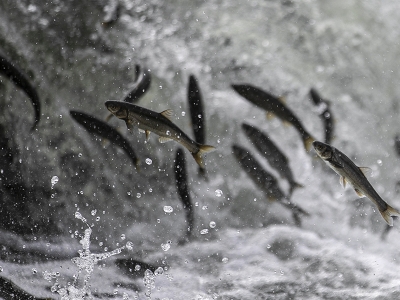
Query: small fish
(273,105)
(159,123)
(141,85)
(354,175)
(263,179)
(183,191)
(96,126)
(271,152)
(9,70)
(325,113)
(197,114)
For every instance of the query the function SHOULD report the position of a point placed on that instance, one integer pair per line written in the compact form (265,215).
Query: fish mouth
(116,109)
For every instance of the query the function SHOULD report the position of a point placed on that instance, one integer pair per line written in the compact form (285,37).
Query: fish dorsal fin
(365,170)
(359,193)
(343,181)
(164,139)
(167,113)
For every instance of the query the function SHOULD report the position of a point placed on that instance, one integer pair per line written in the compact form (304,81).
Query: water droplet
(158,271)
(204,231)
(78,215)
(128,193)
(54,181)
(1,269)
(196,204)
(138,195)
(129,245)
(80,155)
(379,162)
(158,221)
(123,237)
(205,207)
(137,267)
(225,260)
(98,219)
(168,133)
(93,212)
(34,271)
(213,224)
(183,114)
(165,247)
(148,161)
(218,193)
(168,209)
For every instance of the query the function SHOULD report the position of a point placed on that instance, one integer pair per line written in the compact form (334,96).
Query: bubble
(205,207)
(34,271)
(137,267)
(225,260)
(166,246)
(80,155)
(204,231)
(54,181)
(379,162)
(123,237)
(129,245)
(148,161)
(168,209)
(158,271)
(138,195)
(93,212)
(218,193)
(183,114)
(98,219)
(213,224)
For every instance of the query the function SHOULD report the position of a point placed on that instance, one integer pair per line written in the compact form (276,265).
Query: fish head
(116,109)
(323,150)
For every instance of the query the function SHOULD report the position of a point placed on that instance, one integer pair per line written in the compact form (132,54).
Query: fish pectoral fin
(129,124)
(365,170)
(359,193)
(167,113)
(343,181)
(163,139)
(147,132)
(270,115)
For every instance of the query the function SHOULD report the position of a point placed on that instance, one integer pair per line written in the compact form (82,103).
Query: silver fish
(354,175)
(159,123)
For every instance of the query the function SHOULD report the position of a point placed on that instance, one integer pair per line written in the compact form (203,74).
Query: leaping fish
(197,114)
(98,127)
(159,123)
(354,175)
(9,70)
(273,105)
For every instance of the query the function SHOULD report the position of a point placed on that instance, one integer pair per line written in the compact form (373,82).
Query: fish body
(273,105)
(272,153)
(141,85)
(325,114)
(263,179)
(197,113)
(158,123)
(98,127)
(9,70)
(183,190)
(352,174)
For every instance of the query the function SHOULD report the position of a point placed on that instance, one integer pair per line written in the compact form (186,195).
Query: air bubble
(93,212)
(225,260)
(213,224)
(54,181)
(123,237)
(129,245)
(148,161)
(218,193)
(165,247)
(204,231)
(168,209)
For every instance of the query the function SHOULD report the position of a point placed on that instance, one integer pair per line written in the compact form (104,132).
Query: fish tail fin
(308,140)
(198,156)
(294,185)
(388,213)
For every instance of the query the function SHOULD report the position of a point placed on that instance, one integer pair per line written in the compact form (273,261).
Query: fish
(274,106)
(158,123)
(183,191)
(141,85)
(263,179)
(325,113)
(14,74)
(272,153)
(350,173)
(102,129)
(197,114)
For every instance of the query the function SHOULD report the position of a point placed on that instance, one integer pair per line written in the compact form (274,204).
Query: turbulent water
(244,247)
